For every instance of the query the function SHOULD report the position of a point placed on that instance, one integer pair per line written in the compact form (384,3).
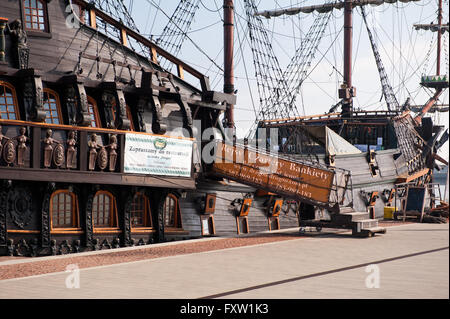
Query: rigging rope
(278,90)
(118,10)
(408,140)
(174,33)
(152,2)
(297,70)
(388,92)
(267,68)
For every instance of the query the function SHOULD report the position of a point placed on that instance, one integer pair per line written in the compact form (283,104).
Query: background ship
(390,146)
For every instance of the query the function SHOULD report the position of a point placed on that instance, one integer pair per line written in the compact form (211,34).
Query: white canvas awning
(336,145)
(333,143)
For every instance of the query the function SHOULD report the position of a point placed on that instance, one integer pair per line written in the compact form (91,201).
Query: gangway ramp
(308,182)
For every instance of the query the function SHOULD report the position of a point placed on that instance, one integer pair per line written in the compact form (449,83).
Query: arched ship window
(129,115)
(104,210)
(93,112)
(64,210)
(52,107)
(35,15)
(171,211)
(140,211)
(9,109)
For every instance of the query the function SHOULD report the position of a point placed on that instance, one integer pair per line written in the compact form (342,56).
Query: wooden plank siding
(60,52)
(362,179)
(225,219)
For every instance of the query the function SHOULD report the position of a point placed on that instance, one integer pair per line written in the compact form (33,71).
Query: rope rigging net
(269,76)
(174,32)
(297,70)
(408,140)
(118,10)
(277,89)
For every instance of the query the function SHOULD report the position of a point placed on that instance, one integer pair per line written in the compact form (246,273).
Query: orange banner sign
(269,172)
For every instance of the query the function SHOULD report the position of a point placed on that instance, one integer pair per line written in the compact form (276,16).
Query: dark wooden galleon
(70,95)
(101,147)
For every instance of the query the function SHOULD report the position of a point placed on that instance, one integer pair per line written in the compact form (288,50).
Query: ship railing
(33,151)
(126,34)
(331,117)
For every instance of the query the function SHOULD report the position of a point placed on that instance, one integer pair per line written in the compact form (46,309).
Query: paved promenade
(410,261)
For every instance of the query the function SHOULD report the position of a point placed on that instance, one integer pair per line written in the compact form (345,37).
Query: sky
(406,53)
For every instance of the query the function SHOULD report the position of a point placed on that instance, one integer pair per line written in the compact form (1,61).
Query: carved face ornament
(9,152)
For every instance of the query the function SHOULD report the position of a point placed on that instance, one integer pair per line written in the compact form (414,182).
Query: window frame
(209,218)
(177,214)
(113,219)
(95,113)
(147,218)
(128,113)
(130,118)
(31,31)
(15,100)
(58,106)
(75,213)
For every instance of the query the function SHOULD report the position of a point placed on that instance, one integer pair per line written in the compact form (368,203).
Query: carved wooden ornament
(71,150)
(9,152)
(92,151)
(58,155)
(48,149)
(21,146)
(112,153)
(102,158)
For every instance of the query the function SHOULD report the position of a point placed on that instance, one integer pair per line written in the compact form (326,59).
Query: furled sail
(322,8)
(432,27)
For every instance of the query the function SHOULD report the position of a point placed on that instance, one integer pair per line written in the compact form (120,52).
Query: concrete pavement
(412,261)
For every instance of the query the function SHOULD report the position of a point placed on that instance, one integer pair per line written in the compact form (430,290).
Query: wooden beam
(87,177)
(92,18)
(319,116)
(154,55)
(123,37)
(440,159)
(82,128)
(180,71)
(409,178)
(432,101)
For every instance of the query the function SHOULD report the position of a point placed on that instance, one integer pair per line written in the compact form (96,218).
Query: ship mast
(438,66)
(438,84)
(346,93)
(228,37)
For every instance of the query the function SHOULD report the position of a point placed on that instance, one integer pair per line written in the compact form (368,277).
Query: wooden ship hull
(70,97)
